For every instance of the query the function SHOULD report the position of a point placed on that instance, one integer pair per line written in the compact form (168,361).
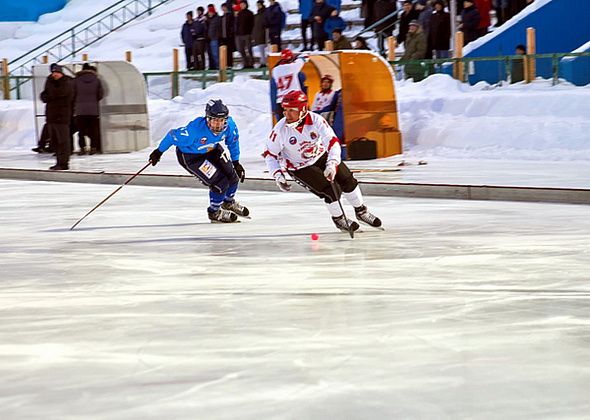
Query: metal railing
(68,43)
(169,84)
(424,68)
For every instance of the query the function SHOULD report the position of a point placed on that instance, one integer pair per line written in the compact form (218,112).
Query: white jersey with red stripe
(298,147)
(322,99)
(286,77)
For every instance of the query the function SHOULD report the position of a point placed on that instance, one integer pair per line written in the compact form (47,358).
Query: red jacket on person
(484,7)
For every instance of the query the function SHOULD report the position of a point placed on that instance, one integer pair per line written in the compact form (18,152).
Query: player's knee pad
(328,194)
(220,185)
(348,184)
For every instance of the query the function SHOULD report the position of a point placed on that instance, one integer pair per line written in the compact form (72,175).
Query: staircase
(73,40)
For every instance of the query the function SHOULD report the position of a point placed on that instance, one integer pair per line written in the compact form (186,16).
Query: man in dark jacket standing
(320,12)
(187,34)
(259,32)
(409,14)
(273,21)
(227,36)
(88,92)
(244,28)
(200,39)
(470,19)
(57,96)
(440,30)
(213,33)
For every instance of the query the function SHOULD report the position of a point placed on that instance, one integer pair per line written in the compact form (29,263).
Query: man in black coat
(440,30)
(259,32)
(244,28)
(187,33)
(381,9)
(320,12)
(200,39)
(470,18)
(88,92)
(228,34)
(57,96)
(273,21)
(409,14)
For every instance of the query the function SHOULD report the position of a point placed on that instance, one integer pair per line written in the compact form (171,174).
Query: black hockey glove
(239,170)
(155,156)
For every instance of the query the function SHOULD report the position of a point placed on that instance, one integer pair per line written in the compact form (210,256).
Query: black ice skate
(236,207)
(222,216)
(343,223)
(363,216)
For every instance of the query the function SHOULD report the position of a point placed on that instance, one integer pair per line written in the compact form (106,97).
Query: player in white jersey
(286,76)
(305,146)
(323,99)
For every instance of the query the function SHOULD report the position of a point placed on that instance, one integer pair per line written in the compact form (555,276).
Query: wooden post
(274,48)
(222,63)
(459,68)
(329,45)
(45,59)
(6,79)
(530,65)
(174,74)
(128,56)
(85,57)
(391,44)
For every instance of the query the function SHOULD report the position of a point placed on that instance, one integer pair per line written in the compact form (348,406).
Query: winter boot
(222,216)
(363,215)
(343,223)
(236,207)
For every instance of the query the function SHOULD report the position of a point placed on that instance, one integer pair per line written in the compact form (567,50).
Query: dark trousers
(188,55)
(304,25)
(312,178)
(231,47)
(245,49)
(319,36)
(275,39)
(45,140)
(199,48)
(198,165)
(89,126)
(61,141)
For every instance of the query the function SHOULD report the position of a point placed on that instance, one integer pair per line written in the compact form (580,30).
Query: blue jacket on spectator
(188,33)
(336,4)
(273,18)
(332,23)
(305,7)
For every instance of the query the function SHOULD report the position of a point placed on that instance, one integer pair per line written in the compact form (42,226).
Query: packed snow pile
(438,117)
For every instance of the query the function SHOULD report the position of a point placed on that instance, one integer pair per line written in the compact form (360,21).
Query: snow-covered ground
(529,135)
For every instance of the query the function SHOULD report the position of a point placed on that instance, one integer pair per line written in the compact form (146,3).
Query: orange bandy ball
(315,236)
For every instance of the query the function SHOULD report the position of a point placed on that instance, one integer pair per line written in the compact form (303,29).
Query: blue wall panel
(27,10)
(561,26)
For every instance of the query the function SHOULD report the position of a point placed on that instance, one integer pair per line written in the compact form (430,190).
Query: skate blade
(224,223)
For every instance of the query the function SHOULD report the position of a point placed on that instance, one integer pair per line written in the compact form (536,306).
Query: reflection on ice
(457,310)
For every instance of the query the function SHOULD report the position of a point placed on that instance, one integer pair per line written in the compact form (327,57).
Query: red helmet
(287,55)
(294,99)
(327,77)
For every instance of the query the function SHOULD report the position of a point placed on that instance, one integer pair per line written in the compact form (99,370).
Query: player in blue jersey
(208,148)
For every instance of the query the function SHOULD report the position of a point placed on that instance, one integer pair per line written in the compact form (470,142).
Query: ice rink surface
(460,309)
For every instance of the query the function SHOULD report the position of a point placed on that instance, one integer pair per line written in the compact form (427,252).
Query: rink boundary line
(386,189)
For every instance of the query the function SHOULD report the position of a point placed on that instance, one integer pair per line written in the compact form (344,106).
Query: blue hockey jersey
(197,138)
